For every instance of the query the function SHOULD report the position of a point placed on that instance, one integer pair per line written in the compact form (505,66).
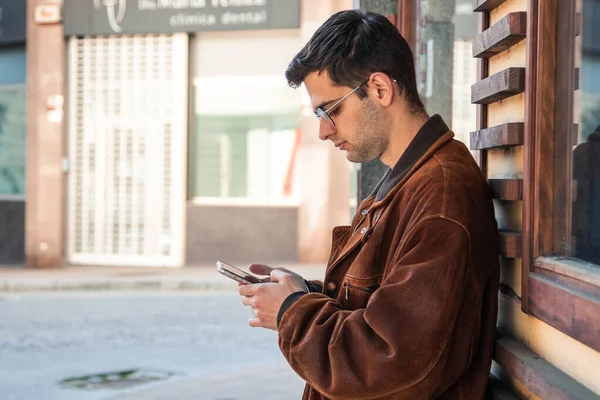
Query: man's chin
(355,158)
(350,157)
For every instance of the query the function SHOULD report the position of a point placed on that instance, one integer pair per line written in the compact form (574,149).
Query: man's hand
(266,298)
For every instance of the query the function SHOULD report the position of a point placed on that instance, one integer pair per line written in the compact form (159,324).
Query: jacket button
(365,212)
(363,230)
(331,286)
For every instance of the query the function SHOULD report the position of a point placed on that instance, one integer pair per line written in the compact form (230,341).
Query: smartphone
(237,274)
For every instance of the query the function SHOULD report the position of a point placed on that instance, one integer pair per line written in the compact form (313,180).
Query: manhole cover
(117,380)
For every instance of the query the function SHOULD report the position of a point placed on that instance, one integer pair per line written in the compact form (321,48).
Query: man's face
(361,129)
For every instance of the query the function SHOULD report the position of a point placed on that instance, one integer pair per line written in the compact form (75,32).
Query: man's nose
(326,130)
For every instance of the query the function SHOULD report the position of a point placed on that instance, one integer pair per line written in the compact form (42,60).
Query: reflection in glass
(446,68)
(12,140)
(586,155)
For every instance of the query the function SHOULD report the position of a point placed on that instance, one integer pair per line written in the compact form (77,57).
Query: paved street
(202,339)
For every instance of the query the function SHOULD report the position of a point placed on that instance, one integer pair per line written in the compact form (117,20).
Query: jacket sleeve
(314,286)
(398,343)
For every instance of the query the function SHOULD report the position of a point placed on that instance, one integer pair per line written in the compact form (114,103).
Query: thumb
(260,269)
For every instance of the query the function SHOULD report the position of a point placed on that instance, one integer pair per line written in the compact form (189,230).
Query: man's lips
(341,146)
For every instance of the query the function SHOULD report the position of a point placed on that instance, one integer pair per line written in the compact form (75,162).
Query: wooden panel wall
(500,137)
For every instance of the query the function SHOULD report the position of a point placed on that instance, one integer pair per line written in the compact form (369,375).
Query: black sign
(106,17)
(13,21)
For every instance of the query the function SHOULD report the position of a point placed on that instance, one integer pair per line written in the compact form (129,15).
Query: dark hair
(350,46)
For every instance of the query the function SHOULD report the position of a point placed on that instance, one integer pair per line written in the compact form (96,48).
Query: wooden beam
(487,5)
(499,391)
(577,24)
(499,136)
(499,86)
(507,189)
(566,308)
(574,273)
(505,33)
(540,377)
(510,244)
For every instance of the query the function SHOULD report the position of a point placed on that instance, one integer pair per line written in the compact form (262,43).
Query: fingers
(279,276)
(292,280)
(260,269)
(254,322)
(248,301)
(248,290)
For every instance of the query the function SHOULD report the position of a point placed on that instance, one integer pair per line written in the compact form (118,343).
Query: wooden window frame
(557,289)
(406,21)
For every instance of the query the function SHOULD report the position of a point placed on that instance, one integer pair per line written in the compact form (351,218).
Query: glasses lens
(321,114)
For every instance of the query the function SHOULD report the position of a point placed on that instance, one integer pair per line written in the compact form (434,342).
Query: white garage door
(127,150)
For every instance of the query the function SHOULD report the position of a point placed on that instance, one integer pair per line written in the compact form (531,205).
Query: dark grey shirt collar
(429,133)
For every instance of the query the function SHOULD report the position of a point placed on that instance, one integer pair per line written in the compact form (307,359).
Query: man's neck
(404,129)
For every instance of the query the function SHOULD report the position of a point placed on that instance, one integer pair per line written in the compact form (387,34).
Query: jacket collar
(422,145)
(433,135)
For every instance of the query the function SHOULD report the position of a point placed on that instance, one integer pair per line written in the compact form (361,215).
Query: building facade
(181,142)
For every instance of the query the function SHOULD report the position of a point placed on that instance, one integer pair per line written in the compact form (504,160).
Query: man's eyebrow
(323,104)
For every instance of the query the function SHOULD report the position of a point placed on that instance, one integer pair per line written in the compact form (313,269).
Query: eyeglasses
(324,114)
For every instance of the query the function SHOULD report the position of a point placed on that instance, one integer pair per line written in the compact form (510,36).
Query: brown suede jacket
(409,301)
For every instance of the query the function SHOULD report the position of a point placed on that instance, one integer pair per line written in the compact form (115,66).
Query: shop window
(246,118)
(12,141)
(244,155)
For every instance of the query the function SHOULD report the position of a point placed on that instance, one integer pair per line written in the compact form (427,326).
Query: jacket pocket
(356,291)
(356,297)
(348,287)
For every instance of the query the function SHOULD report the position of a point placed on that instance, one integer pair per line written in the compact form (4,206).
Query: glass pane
(12,140)
(246,116)
(586,154)
(446,68)
(244,156)
(13,64)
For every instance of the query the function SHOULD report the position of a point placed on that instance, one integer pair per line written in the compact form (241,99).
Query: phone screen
(237,274)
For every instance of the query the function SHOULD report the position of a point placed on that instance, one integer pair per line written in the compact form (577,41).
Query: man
(407,308)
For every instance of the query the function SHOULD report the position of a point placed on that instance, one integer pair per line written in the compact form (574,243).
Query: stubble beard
(371,136)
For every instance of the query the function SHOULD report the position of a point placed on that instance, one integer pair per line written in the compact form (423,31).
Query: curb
(197,285)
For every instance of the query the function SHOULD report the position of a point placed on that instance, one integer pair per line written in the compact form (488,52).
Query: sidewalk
(80,278)
(270,381)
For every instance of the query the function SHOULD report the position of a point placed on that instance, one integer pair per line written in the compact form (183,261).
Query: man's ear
(382,88)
